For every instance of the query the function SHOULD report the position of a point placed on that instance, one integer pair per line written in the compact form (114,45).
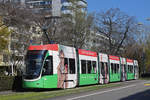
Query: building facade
(55,7)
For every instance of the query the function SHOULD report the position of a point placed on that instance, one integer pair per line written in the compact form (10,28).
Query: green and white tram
(58,66)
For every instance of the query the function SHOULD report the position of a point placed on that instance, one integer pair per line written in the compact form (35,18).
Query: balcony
(67,4)
(67,12)
(82,4)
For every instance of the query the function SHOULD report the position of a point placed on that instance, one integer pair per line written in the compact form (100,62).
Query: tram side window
(83,66)
(66,64)
(112,68)
(71,66)
(66,61)
(124,68)
(48,66)
(106,68)
(117,68)
(94,70)
(89,67)
(131,69)
(135,68)
(102,68)
(128,68)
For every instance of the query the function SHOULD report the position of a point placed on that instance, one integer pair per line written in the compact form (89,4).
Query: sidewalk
(6,92)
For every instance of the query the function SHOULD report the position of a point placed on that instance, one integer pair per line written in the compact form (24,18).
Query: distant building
(97,42)
(55,7)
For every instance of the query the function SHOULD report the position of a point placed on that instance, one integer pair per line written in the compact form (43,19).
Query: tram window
(48,66)
(128,68)
(94,70)
(66,61)
(106,68)
(102,69)
(131,69)
(66,64)
(135,68)
(89,67)
(71,66)
(83,66)
(117,68)
(112,67)
(125,68)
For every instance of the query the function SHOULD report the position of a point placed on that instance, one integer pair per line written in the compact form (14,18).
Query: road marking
(147,84)
(101,92)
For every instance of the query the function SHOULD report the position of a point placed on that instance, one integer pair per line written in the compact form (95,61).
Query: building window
(62,1)
(64,8)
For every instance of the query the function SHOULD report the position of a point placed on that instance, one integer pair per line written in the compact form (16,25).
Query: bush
(10,83)
(6,83)
(146,75)
(17,84)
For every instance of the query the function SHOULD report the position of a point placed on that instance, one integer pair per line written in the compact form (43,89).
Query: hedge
(145,75)
(10,83)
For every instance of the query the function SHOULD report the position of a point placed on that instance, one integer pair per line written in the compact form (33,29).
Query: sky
(138,8)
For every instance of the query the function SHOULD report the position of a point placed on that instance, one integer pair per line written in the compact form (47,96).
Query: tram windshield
(34,61)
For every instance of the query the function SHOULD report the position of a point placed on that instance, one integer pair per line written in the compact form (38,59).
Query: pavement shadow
(144,95)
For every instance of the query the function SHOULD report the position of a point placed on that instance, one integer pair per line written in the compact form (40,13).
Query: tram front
(34,62)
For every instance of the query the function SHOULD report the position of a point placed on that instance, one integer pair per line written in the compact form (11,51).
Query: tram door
(123,72)
(123,69)
(104,70)
(136,69)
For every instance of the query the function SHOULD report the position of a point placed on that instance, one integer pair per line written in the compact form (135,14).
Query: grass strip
(51,94)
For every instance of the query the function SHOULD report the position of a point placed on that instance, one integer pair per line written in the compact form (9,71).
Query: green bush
(6,83)
(10,83)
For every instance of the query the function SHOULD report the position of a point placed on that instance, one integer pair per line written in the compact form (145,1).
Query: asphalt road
(131,90)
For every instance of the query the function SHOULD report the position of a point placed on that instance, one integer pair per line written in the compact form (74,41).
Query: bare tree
(18,20)
(76,26)
(117,27)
